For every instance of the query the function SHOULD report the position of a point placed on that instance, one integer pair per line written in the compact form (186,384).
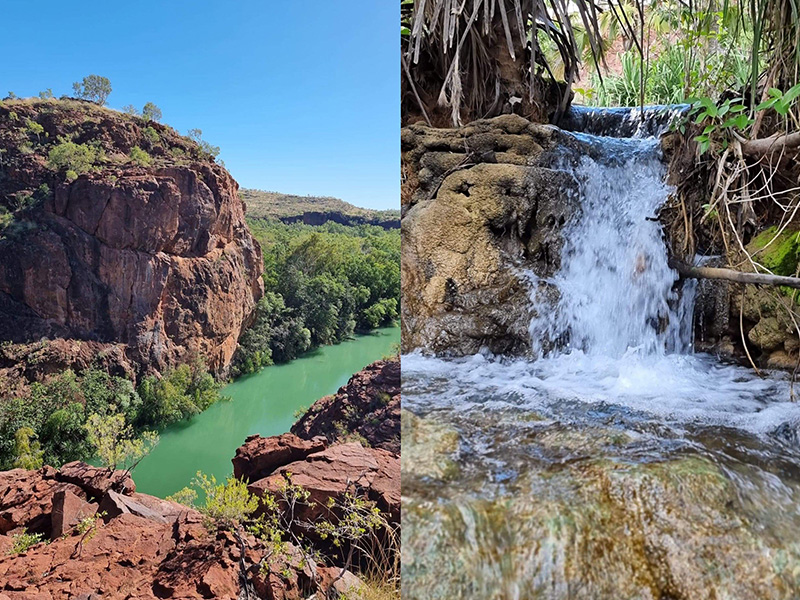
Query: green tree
(46,94)
(94,88)
(114,442)
(27,449)
(151,112)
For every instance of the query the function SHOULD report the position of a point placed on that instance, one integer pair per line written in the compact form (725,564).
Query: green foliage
(130,109)
(25,541)
(114,442)
(186,496)
(151,112)
(226,504)
(179,394)
(322,283)
(140,157)
(28,453)
(58,410)
(34,128)
(196,135)
(94,88)
(73,158)
(151,135)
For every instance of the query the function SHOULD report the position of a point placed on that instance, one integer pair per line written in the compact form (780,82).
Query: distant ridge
(314,210)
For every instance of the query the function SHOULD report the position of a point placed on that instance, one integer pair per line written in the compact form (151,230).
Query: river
(263,403)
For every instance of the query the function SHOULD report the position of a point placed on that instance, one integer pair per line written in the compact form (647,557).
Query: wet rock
(367,409)
(482,226)
(260,456)
(429,450)
(572,526)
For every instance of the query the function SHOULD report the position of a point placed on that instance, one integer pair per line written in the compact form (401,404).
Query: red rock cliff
(155,257)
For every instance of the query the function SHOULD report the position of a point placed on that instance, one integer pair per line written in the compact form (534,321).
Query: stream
(264,403)
(620,464)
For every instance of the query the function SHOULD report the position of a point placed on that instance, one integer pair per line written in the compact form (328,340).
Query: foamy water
(621,331)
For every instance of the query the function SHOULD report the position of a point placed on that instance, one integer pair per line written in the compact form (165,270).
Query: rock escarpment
(368,407)
(153,254)
(483,211)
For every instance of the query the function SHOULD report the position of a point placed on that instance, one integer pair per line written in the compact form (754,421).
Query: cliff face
(154,256)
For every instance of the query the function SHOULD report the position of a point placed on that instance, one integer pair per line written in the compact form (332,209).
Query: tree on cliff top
(94,88)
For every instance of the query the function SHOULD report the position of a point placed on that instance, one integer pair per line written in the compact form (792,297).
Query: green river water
(263,403)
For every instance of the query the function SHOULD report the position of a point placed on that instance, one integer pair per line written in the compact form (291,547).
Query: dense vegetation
(322,284)
(53,418)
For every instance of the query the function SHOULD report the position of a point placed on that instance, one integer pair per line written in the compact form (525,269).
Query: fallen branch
(776,143)
(735,276)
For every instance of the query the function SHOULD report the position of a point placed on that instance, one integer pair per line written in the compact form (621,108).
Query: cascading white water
(616,288)
(621,331)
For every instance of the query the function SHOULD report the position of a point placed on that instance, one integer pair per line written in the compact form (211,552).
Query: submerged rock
(544,517)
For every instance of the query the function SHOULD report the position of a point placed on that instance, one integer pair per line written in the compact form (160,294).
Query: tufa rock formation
(483,211)
(149,253)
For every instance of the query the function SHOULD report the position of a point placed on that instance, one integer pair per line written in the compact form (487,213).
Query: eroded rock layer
(157,258)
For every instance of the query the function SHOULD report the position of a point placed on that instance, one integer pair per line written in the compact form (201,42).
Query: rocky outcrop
(482,225)
(336,471)
(143,547)
(155,258)
(367,409)
(260,456)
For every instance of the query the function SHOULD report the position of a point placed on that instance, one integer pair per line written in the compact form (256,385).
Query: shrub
(27,449)
(205,148)
(179,394)
(25,541)
(46,94)
(73,158)
(140,157)
(227,504)
(34,128)
(114,442)
(130,109)
(151,135)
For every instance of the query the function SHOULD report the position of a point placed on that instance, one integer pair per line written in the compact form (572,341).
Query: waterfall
(616,288)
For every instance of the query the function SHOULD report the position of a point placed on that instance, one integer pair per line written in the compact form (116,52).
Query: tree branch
(770,145)
(735,276)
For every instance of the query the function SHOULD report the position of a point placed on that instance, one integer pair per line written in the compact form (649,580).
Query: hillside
(314,210)
(117,231)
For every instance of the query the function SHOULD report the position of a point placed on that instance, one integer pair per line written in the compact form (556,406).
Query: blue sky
(301,96)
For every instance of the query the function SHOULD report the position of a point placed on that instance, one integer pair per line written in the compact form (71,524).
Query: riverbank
(264,403)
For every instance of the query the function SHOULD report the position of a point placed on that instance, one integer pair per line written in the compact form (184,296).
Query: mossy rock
(782,255)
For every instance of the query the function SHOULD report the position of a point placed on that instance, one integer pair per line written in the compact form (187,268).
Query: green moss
(781,256)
